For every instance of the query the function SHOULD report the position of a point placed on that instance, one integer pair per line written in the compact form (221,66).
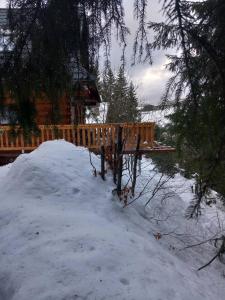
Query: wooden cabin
(71,122)
(71,110)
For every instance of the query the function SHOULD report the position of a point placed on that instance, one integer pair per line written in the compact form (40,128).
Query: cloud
(150,80)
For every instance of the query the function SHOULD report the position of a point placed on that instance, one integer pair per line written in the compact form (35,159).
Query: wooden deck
(91,136)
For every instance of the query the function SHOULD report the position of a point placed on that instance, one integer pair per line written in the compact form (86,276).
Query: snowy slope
(64,236)
(157,116)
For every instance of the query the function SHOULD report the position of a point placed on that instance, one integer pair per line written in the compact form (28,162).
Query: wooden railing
(91,136)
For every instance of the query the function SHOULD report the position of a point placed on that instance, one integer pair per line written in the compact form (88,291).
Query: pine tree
(123,105)
(134,114)
(119,104)
(197,86)
(107,85)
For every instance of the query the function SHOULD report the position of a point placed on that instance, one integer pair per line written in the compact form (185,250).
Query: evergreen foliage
(107,85)
(197,29)
(49,40)
(121,97)
(134,114)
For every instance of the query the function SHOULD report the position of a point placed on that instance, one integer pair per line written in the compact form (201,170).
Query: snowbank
(64,236)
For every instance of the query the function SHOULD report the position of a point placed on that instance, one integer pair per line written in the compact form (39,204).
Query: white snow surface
(160,117)
(64,236)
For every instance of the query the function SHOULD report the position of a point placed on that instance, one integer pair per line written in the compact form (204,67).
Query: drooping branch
(47,37)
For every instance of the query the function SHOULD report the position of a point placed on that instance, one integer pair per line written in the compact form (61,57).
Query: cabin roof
(79,74)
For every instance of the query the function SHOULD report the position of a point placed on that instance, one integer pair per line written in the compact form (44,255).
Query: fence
(91,136)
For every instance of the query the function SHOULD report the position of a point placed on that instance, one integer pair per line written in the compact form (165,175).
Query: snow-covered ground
(64,236)
(97,114)
(157,116)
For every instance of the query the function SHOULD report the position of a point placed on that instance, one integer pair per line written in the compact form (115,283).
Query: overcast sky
(150,80)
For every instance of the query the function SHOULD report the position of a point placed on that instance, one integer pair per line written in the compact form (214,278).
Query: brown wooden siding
(44,111)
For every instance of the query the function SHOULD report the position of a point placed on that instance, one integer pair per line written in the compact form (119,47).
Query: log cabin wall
(44,109)
(68,114)
(79,110)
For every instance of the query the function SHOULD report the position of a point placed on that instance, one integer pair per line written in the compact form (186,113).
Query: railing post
(103,162)
(120,159)
(136,156)
(74,135)
(152,134)
(115,163)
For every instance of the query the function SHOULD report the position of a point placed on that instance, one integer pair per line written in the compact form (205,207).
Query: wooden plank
(38,140)
(47,134)
(73,135)
(42,135)
(107,136)
(28,148)
(70,135)
(103,136)
(94,132)
(98,144)
(1,140)
(83,137)
(78,136)
(17,141)
(67,137)
(22,140)
(89,137)
(63,134)
(113,135)
(32,142)
(152,135)
(135,134)
(53,133)
(150,150)
(110,138)
(6,138)
(142,130)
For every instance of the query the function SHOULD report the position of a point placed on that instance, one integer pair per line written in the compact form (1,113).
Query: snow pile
(64,236)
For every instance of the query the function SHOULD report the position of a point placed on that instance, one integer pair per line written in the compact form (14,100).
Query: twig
(218,254)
